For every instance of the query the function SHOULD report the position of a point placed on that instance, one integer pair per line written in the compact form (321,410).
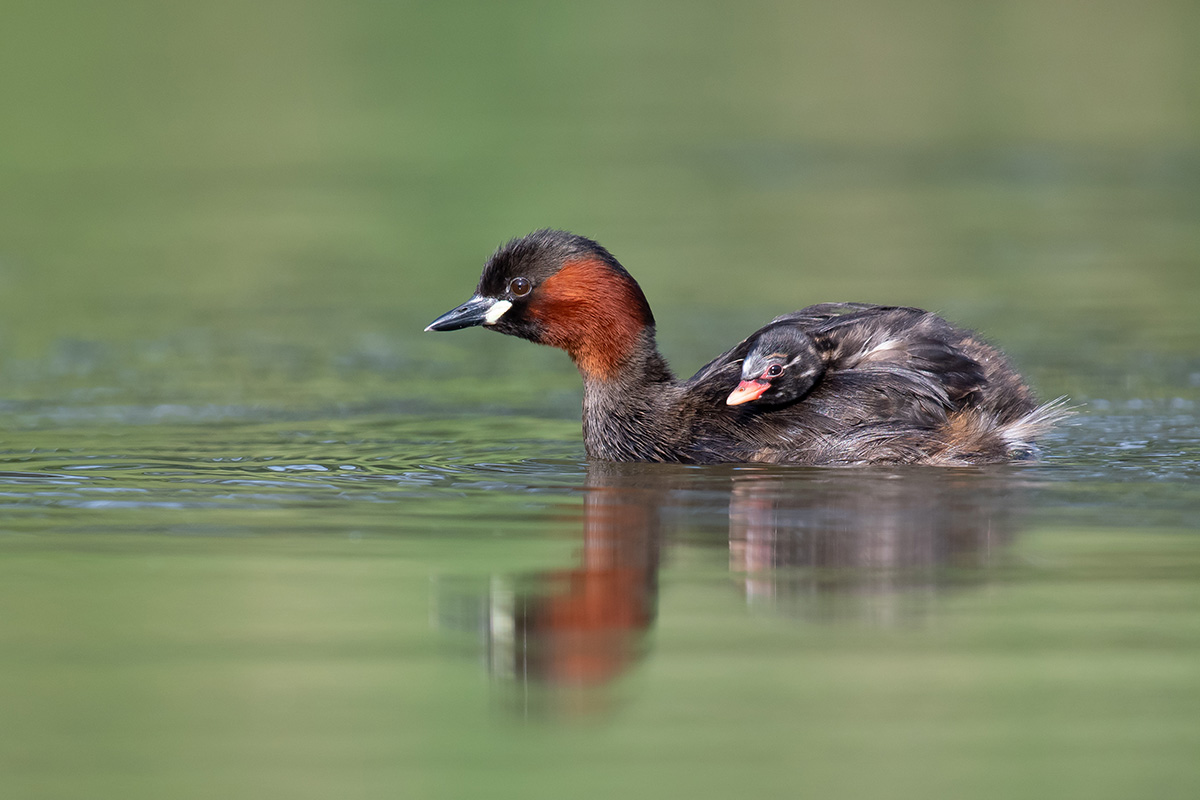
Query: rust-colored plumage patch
(593,312)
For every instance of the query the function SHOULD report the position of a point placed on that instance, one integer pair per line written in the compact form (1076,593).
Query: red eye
(774,371)
(519,287)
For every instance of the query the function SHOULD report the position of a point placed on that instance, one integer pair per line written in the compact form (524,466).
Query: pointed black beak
(476,311)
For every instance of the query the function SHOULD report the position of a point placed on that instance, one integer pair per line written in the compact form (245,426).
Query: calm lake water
(262,537)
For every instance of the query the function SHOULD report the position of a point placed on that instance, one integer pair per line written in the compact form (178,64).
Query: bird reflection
(873,545)
(584,626)
(819,544)
(571,631)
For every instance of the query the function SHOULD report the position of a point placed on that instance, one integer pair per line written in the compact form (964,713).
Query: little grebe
(782,365)
(788,356)
(876,385)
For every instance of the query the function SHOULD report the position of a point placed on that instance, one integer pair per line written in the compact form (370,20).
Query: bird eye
(519,287)
(774,371)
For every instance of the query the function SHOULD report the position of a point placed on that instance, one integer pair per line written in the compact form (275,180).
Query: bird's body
(873,384)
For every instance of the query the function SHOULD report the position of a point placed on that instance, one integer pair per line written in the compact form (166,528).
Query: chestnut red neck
(597,314)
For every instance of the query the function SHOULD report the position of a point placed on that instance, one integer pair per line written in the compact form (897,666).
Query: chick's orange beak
(747,391)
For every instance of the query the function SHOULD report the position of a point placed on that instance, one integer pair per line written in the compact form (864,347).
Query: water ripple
(1109,467)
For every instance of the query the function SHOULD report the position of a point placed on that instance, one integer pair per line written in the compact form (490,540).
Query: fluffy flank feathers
(1021,432)
(977,436)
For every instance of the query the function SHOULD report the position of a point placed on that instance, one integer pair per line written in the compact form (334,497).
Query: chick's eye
(774,371)
(519,287)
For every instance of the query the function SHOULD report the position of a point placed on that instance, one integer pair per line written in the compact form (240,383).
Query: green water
(262,537)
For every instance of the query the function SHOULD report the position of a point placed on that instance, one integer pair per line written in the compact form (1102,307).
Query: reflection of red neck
(594,313)
(590,629)
(590,632)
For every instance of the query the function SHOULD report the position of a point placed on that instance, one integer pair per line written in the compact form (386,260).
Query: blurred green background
(237,201)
